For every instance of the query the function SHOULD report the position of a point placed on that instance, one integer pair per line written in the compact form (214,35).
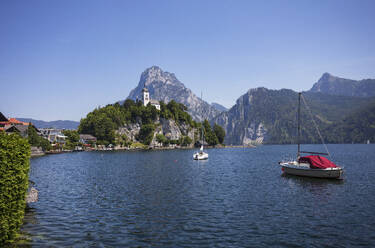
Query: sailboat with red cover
(313,165)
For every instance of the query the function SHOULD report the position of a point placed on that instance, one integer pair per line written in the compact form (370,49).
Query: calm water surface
(238,198)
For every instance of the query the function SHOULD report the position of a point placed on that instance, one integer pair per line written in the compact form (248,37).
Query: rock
(164,86)
(32,195)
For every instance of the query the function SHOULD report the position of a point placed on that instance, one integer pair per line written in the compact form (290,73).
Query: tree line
(103,123)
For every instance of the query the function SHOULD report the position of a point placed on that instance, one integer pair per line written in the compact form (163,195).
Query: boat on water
(313,165)
(201,155)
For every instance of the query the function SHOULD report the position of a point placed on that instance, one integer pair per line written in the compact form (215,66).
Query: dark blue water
(238,198)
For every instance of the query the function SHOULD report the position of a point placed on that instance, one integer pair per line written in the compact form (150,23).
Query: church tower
(146,96)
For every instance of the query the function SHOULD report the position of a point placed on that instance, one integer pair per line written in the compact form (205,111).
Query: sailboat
(313,165)
(201,155)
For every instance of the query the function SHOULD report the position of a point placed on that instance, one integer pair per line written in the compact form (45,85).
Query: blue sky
(61,59)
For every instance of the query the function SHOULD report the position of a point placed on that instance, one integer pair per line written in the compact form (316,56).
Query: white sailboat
(313,165)
(201,155)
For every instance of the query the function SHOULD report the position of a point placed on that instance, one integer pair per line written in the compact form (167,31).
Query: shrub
(14,178)
(146,133)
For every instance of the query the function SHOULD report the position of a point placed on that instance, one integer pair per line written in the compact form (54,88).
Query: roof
(15,121)
(19,128)
(2,117)
(144,89)
(154,101)
(87,137)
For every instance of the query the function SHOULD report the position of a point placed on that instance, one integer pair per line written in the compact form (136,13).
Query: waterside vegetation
(14,181)
(104,123)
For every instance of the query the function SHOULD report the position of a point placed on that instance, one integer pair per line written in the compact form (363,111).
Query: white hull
(297,169)
(200,156)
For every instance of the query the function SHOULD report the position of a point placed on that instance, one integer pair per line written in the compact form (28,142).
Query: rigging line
(316,126)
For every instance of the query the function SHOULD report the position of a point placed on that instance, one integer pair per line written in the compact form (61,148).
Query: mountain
(332,85)
(219,107)
(269,116)
(358,127)
(164,86)
(53,124)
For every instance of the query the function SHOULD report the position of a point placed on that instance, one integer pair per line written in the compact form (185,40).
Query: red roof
(15,121)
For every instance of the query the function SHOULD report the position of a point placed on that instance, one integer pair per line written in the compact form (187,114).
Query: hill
(132,123)
(60,124)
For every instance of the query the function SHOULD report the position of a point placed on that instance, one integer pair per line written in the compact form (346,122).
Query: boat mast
(299,125)
(202,136)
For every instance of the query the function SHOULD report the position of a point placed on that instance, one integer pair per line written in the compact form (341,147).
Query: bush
(36,140)
(14,179)
(146,133)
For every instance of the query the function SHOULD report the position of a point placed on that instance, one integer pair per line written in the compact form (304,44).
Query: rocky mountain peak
(332,85)
(156,74)
(326,77)
(164,86)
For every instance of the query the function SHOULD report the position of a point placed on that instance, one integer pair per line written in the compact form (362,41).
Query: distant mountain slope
(219,107)
(269,116)
(164,86)
(54,124)
(332,85)
(358,127)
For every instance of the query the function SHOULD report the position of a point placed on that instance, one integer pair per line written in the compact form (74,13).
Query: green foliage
(354,128)
(162,139)
(14,175)
(186,141)
(35,140)
(146,133)
(102,122)
(72,139)
(219,132)
(175,111)
(122,140)
(209,134)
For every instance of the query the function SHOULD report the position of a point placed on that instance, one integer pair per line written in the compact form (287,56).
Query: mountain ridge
(334,85)
(59,124)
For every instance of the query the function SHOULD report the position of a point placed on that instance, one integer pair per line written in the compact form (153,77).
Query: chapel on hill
(146,99)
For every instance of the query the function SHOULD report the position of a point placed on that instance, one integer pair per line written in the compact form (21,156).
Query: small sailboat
(201,155)
(313,165)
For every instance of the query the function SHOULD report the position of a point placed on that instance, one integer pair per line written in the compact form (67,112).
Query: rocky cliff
(329,84)
(169,128)
(270,116)
(164,86)
(244,123)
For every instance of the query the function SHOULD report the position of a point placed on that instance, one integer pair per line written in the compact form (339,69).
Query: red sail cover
(317,162)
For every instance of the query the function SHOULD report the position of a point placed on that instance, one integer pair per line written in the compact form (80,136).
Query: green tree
(146,133)
(35,140)
(72,139)
(14,180)
(219,132)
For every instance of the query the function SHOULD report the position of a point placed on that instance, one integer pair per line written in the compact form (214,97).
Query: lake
(237,198)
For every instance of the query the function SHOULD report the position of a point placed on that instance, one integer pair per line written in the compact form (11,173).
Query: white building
(146,99)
